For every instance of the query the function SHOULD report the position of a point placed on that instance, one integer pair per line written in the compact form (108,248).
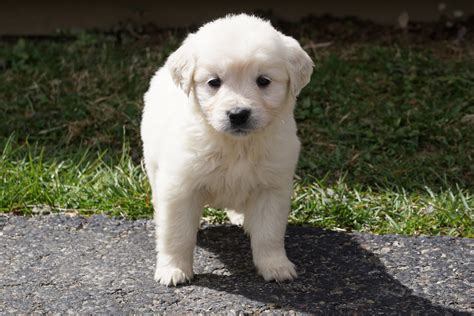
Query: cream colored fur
(193,160)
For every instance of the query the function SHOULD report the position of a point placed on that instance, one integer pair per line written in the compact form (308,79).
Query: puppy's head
(241,72)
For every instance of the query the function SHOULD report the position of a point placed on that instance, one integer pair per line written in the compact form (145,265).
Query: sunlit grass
(84,183)
(384,210)
(87,184)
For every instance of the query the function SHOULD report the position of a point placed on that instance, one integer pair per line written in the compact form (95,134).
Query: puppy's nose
(238,116)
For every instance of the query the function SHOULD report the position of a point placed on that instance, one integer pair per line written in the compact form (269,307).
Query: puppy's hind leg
(265,222)
(235,217)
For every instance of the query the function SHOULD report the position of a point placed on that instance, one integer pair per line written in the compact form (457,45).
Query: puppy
(218,130)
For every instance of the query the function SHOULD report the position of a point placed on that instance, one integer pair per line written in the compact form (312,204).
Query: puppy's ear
(299,65)
(181,63)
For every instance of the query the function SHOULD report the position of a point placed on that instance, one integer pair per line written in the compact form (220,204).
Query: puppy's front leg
(177,220)
(266,222)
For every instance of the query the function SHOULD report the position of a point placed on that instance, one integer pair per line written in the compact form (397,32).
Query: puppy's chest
(229,180)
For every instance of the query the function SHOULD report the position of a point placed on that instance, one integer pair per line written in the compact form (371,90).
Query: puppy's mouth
(240,132)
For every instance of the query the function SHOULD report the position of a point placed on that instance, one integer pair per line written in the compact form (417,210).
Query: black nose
(238,116)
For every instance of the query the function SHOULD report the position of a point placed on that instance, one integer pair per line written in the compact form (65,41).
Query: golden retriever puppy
(218,130)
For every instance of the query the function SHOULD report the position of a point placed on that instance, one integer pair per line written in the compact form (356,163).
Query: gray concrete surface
(65,264)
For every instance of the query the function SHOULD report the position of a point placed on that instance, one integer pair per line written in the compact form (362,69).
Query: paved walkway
(72,264)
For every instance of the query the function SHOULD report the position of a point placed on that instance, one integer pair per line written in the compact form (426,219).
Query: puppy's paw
(277,268)
(172,276)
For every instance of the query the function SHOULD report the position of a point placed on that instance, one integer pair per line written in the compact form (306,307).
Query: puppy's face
(240,96)
(241,72)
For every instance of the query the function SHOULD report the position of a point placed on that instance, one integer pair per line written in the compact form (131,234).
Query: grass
(387,132)
(83,183)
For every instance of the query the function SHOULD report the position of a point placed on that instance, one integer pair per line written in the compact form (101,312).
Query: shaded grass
(390,116)
(387,133)
(79,93)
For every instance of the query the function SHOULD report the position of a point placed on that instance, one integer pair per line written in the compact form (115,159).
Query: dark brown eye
(215,83)
(263,82)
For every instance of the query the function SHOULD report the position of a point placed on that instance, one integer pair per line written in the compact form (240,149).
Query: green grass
(387,133)
(338,206)
(83,183)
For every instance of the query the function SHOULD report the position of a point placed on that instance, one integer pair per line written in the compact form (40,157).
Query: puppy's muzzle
(239,117)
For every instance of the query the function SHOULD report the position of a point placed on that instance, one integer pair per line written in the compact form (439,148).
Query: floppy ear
(182,63)
(299,65)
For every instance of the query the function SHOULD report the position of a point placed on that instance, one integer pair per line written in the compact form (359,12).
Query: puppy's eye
(214,83)
(263,82)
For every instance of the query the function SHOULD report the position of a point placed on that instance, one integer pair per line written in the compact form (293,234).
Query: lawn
(387,127)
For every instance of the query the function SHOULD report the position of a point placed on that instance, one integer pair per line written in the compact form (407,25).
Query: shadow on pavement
(335,274)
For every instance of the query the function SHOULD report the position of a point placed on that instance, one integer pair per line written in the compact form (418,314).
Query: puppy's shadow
(335,274)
